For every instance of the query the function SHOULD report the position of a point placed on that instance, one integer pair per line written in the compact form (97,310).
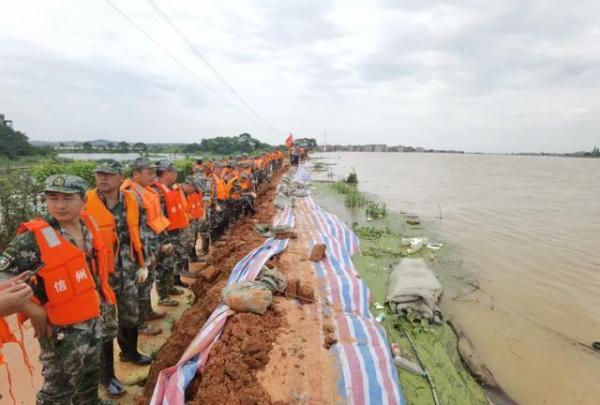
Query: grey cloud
(296,23)
(29,68)
(509,48)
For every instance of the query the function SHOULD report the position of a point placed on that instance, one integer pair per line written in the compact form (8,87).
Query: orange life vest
(229,190)
(108,228)
(151,202)
(175,202)
(218,188)
(195,208)
(245,184)
(68,281)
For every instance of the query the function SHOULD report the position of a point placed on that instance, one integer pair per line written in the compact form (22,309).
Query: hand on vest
(167,249)
(39,319)
(13,295)
(141,275)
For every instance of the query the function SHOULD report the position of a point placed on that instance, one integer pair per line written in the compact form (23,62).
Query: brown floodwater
(528,229)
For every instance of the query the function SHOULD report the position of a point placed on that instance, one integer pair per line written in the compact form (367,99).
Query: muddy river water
(528,228)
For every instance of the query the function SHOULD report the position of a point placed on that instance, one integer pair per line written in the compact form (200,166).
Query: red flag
(289,141)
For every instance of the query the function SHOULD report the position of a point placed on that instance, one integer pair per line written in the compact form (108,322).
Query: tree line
(15,144)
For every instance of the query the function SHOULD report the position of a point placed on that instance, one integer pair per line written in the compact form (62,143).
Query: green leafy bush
(20,200)
(83,169)
(184,168)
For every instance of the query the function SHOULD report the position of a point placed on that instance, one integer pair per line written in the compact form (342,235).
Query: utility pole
(325,142)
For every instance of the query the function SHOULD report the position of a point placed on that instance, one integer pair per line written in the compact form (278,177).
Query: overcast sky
(491,76)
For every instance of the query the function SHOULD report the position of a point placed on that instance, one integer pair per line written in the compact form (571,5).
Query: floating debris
(377,305)
(415,244)
(435,245)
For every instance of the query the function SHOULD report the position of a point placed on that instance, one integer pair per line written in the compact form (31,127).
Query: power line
(199,55)
(180,63)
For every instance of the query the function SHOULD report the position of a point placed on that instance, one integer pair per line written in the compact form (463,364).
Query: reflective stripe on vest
(68,281)
(195,208)
(175,203)
(106,222)
(151,202)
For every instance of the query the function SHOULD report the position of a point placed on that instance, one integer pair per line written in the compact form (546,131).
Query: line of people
(83,273)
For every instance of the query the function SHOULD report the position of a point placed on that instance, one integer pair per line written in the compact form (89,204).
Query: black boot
(122,339)
(113,386)
(131,353)
(205,244)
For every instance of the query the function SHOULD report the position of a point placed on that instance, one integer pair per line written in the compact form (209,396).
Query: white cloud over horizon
(473,75)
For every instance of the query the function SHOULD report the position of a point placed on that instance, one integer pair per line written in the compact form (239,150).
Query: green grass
(376,210)
(352,197)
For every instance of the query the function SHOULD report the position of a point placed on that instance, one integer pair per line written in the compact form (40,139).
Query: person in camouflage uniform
(215,216)
(198,227)
(204,185)
(70,355)
(172,256)
(126,277)
(143,172)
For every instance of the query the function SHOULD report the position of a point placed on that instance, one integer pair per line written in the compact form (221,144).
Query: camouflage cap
(109,166)
(166,165)
(196,181)
(142,163)
(65,183)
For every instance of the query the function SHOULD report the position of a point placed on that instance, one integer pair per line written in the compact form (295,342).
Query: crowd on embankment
(82,274)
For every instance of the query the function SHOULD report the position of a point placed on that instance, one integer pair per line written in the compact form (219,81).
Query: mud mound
(242,350)
(241,238)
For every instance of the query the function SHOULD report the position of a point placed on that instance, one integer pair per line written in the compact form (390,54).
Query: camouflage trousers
(188,237)
(196,229)
(124,284)
(214,221)
(109,321)
(170,265)
(243,206)
(223,218)
(71,365)
(145,306)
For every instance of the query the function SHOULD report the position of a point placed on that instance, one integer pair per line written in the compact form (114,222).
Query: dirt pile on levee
(241,238)
(242,350)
